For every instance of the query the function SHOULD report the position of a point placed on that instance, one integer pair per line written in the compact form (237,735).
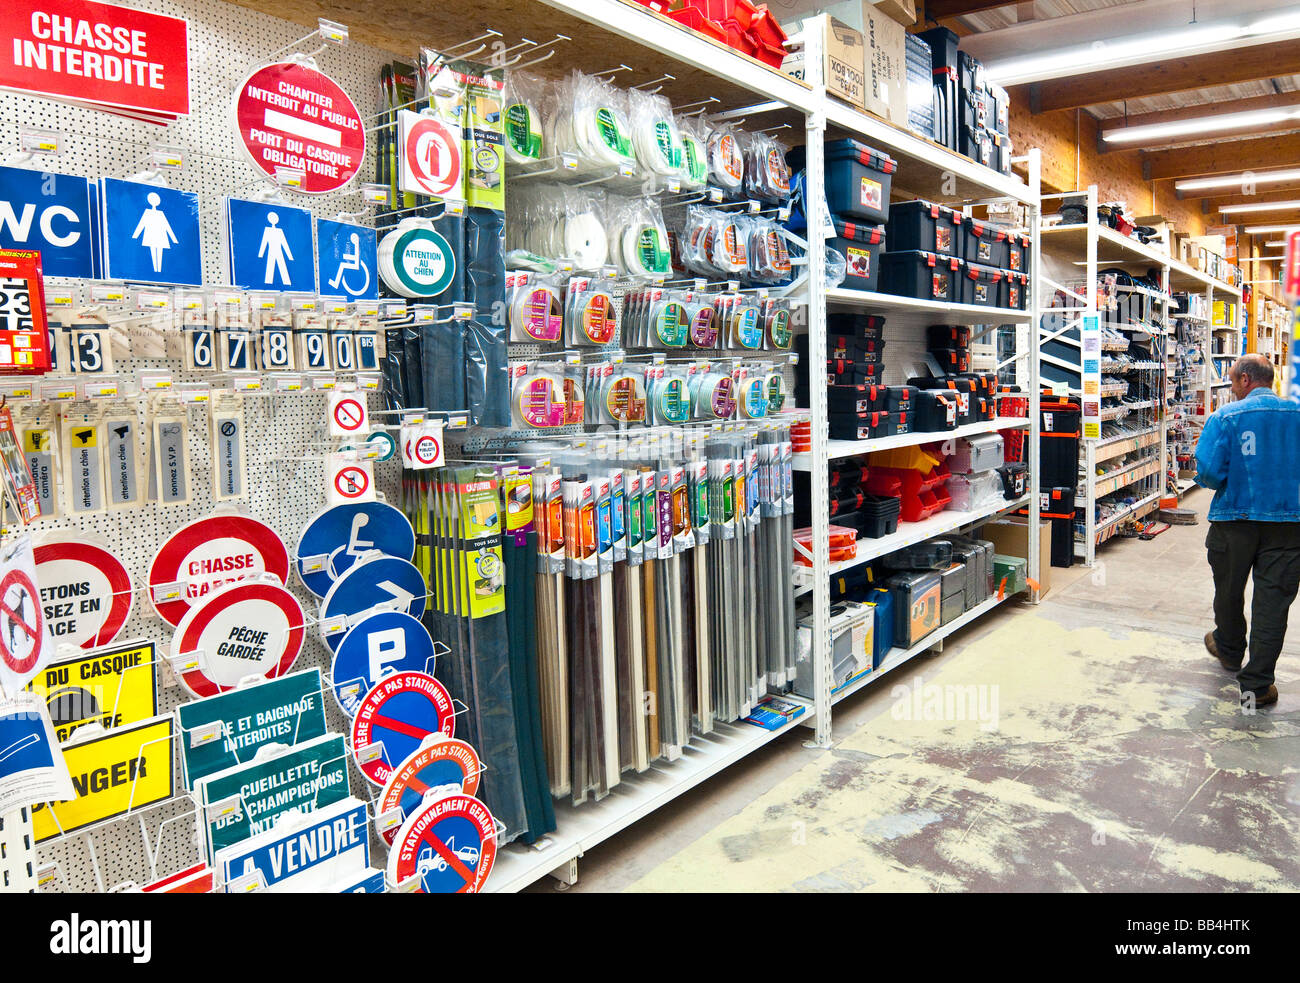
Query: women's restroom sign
(293,117)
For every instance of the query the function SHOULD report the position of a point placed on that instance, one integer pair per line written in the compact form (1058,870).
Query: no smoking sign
(347,414)
(349,480)
(431,156)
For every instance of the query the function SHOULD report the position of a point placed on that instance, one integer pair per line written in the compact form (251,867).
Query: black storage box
(843,372)
(981,286)
(952,360)
(855,325)
(899,398)
(943,46)
(1001,111)
(1015,290)
(1056,503)
(1059,429)
(880,513)
(1001,152)
(919,274)
(936,410)
(855,399)
(894,424)
(932,554)
(866,351)
(1019,250)
(861,246)
(917,601)
(971,71)
(858,180)
(986,244)
(947,336)
(925,226)
(1013,480)
(975,144)
(964,388)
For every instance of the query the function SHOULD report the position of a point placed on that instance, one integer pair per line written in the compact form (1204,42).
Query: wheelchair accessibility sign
(349,260)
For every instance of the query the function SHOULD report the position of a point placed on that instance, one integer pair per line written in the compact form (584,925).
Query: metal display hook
(644,86)
(550,54)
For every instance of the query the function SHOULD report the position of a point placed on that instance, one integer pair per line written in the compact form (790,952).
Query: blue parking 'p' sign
(349,260)
(54,213)
(151,233)
(270,246)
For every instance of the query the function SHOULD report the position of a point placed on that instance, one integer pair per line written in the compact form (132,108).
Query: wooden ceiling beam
(1222,158)
(1246,63)
(938,9)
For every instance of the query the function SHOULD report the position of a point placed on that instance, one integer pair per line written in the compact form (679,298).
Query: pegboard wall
(285,433)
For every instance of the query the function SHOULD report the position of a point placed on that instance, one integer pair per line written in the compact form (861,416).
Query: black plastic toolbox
(952,360)
(1015,290)
(943,46)
(855,325)
(1013,480)
(858,180)
(947,336)
(855,399)
(981,286)
(986,244)
(1019,250)
(861,246)
(857,349)
(936,410)
(920,274)
(899,398)
(975,144)
(925,226)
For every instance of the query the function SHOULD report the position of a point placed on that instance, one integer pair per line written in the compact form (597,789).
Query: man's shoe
(1266,698)
(1213,649)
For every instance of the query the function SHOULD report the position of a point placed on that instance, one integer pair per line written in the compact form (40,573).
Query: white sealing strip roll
(585,240)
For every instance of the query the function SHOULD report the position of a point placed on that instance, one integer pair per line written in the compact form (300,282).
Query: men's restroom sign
(349,260)
(53,213)
(431,156)
(294,117)
(151,233)
(270,246)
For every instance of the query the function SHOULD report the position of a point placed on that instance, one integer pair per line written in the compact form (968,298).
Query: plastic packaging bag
(524,126)
(655,137)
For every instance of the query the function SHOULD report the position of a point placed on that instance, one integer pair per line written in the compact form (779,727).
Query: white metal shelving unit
(1074,253)
(924,170)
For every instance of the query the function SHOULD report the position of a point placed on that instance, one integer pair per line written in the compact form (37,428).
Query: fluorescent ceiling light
(1260,230)
(1230,180)
(1104,54)
(1273,258)
(1263,206)
(1203,124)
(1275,244)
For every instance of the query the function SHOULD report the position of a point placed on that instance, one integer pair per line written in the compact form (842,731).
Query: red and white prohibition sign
(22,626)
(351,482)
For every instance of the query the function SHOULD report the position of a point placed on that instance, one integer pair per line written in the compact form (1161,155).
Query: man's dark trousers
(1271,552)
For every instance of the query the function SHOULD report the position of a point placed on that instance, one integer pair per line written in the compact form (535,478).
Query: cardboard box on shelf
(885,42)
(903,11)
(845,61)
(1010,537)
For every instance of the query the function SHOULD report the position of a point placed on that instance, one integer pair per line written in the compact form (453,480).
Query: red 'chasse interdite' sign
(98,53)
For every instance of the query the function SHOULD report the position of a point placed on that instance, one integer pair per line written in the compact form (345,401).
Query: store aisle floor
(1088,744)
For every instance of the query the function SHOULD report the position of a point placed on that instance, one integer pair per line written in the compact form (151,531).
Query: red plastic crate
(765,29)
(773,55)
(693,18)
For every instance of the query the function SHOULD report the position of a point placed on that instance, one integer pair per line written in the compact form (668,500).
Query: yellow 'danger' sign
(125,769)
(109,686)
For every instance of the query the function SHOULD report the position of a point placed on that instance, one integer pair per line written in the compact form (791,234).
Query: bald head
(1250,372)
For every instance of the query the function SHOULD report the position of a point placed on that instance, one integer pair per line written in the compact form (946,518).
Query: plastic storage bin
(861,246)
(899,398)
(858,180)
(917,601)
(952,361)
(880,513)
(971,492)
(919,274)
(976,454)
(981,286)
(855,399)
(926,226)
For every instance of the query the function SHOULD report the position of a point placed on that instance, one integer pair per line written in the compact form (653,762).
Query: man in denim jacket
(1249,453)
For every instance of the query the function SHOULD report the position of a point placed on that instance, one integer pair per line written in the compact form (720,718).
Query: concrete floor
(1088,744)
